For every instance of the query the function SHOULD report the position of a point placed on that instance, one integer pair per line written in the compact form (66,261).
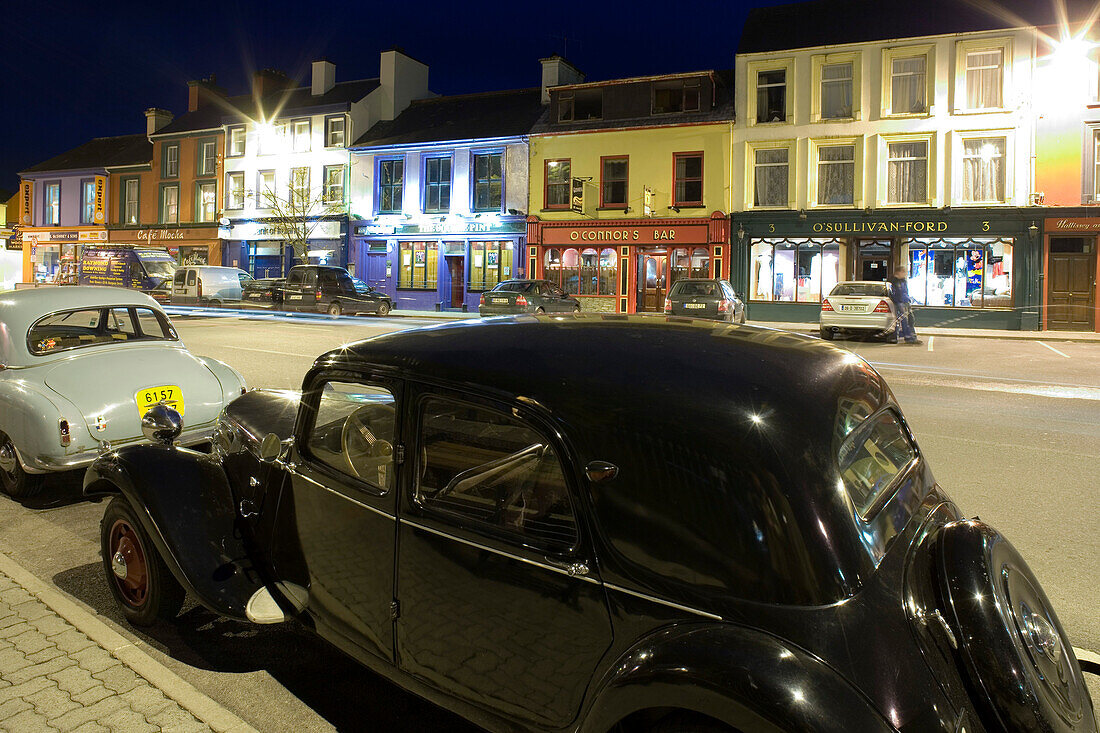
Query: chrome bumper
(71,461)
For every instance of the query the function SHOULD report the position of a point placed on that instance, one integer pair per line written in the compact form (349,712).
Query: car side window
(191,278)
(309,278)
(557,292)
(354,431)
(120,325)
(294,278)
(180,278)
(151,326)
(484,465)
(544,289)
(244,277)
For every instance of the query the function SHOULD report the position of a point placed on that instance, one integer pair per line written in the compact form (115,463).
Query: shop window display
(582,272)
(419,265)
(793,270)
(967,273)
(490,263)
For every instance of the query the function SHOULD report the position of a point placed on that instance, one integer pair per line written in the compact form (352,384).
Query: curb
(1061,337)
(172,685)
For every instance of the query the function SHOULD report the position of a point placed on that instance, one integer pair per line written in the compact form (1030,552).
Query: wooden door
(652,282)
(457,270)
(1071,284)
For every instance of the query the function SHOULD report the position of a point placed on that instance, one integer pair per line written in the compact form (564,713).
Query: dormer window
(580,105)
(676,96)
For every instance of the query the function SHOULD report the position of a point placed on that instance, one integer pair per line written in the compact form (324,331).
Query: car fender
(186,506)
(29,416)
(232,382)
(740,676)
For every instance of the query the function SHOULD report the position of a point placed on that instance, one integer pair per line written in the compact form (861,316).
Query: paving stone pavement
(54,678)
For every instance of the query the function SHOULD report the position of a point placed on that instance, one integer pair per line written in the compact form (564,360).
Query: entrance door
(873,260)
(1071,295)
(652,281)
(457,268)
(376,270)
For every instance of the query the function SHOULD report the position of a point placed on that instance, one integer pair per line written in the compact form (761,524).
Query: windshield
(93,326)
(514,286)
(695,288)
(874,289)
(158,266)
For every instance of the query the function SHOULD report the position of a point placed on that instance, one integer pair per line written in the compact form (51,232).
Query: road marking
(264,351)
(1056,351)
(930,340)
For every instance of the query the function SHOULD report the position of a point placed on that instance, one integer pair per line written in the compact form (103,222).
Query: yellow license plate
(168,394)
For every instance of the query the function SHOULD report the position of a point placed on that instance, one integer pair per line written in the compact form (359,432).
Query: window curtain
(908,173)
(836,90)
(836,171)
(771,177)
(983,79)
(907,85)
(984,169)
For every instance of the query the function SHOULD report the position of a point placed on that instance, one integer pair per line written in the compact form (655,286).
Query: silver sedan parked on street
(859,306)
(80,366)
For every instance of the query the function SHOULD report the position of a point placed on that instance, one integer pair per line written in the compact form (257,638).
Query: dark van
(148,269)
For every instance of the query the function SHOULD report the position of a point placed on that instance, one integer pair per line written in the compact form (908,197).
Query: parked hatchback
(527,296)
(208,285)
(544,543)
(711,299)
(332,290)
(859,306)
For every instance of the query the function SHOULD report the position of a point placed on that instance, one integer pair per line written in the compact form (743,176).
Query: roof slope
(825,22)
(100,152)
(459,117)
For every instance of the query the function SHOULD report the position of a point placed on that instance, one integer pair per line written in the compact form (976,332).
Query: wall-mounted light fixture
(515,212)
(626,210)
(674,208)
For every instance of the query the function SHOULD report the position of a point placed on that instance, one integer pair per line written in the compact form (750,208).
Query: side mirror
(600,471)
(270,448)
(161,424)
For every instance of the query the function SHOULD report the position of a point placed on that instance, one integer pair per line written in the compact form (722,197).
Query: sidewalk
(62,668)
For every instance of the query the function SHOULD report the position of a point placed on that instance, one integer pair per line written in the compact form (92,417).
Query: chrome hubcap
(7,458)
(118,565)
(1043,636)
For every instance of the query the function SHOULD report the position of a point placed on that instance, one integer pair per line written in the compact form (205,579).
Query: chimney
(268,81)
(324,77)
(201,91)
(156,119)
(555,72)
(402,79)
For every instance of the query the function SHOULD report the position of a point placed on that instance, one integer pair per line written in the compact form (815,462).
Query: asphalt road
(1011,429)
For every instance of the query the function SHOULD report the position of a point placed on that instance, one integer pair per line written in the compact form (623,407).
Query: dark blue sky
(72,71)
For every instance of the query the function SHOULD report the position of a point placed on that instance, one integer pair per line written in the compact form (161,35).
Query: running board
(262,608)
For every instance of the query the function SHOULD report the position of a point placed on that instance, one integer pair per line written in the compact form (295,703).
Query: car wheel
(384,308)
(577,310)
(688,723)
(143,586)
(1012,650)
(16,482)
(214,303)
(540,311)
(334,310)
(827,334)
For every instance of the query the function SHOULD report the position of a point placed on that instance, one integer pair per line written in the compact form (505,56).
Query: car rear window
(91,326)
(872,457)
(873,289)
(705,288)
(514,287)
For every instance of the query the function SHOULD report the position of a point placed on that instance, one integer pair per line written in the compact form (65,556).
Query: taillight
(882,307)
(200,288)
(723,306)
(826,305)
(482,301)
(521,301)
(668,305)
(318,295)
(63,432)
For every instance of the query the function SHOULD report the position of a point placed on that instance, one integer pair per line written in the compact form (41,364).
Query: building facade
(630,185)
(860,153)
(287,165)
(440,199)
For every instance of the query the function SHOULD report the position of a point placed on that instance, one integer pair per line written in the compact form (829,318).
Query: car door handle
(572,567)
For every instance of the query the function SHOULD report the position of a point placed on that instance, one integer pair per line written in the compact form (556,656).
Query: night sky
(74,71)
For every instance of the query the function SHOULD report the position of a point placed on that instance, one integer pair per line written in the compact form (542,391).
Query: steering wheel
(364,452)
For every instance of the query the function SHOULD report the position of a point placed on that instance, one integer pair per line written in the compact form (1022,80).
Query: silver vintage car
(79,367)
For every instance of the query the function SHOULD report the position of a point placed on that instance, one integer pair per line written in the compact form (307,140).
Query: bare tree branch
(296,216)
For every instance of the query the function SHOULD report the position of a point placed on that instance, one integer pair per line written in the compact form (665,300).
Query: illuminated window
(419,265)
(556,183)
(437,185)
(334,131)
(771,95)
(490,263)
(771,176)
(131,191)
(967,273)
(984,170)
(53,204)
(613,180)
(908,85)
(582,271)
(488,182)
(836,169)
(391,185)
(234,190)
(985,79)
(793,270)
(299,188)
(907,172)
(236,141)
(87,202)
(171,165)
(300,132)
(687,179)
(265,188)
(206,161)
(334,184)
(272,138)
(206,203)
(836,91)
(676,96)
(170,204)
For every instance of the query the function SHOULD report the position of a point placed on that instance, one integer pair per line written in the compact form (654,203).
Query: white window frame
(752,70)
(201,204)
(1090,158)
(884,168)
(889,55)
(857,142)
(126,201)
(819,61)
(172,162)
(294,192)
(750,169)
(260,201)
(231,141)
(977,45)
(959,166)
(164,208)
(234,195)
(343,183)
(342,119)
(295,136)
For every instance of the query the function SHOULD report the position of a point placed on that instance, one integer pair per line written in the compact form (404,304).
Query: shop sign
(630,234)
(1073,225)
(445,226)
(876,227)
(15,244)
(26,201)
(94,235)
(100,199)
(159,235)
(261,230)
(576,197)
(60,236)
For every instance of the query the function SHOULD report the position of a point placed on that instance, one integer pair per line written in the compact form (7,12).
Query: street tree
(295,216)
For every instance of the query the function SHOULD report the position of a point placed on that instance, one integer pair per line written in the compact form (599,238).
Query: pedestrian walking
(903,309)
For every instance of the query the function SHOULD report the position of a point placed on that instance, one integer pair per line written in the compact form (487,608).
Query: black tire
(16,483)
(577,311)
(827,334)
(1013,652)
(689,723)
(383,309)
(334,310)
(540,311)
(148,597)
(214,303)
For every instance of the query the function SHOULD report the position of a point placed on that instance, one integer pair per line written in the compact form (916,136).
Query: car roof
(20,308)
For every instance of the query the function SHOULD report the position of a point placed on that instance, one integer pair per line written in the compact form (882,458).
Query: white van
(208,285)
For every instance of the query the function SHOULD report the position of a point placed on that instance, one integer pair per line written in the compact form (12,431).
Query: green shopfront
(971,268)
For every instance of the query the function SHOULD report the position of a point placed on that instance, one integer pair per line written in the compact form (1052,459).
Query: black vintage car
(555,544)
(332,290)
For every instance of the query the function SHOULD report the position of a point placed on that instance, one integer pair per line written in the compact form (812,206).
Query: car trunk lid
(694,306)
(107,397)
